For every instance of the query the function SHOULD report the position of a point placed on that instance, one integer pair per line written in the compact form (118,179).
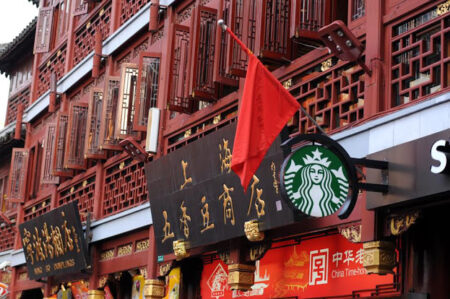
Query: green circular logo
(315,181)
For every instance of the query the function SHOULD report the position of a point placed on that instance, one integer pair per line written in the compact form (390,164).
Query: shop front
(275,240)
(415,211)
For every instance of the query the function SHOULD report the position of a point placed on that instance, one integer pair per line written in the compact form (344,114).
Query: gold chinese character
(259,203)
(75,236)
(205,214)
(228,211)
(184,220)
(57,241)
(225,158)
(37,244)
(48,248)
(28,246)
(167,233)
(68,245)
(187,180)
(274,175)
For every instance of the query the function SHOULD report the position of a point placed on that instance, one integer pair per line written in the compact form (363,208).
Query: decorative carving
(96,294)
(180,249)
(164,269)
(401,223)
(351,233)
(154,289)
(125,250)
(142,47)
(443,8)
(252,232)
(107,254)
(184,14)
(287,84)
(23,276)
(157,35)
(241,277)
(142,245)
(326,65)
(379,257)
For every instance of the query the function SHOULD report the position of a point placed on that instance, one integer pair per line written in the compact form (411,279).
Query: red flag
(266,107)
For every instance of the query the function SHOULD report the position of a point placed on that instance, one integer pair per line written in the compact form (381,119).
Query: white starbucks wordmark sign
(315,181)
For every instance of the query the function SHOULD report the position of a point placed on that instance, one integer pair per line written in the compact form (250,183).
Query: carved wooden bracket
(154,289)
(164,268)
(351,233)
(398,224)
(180,249)
(252,231)
(257,251)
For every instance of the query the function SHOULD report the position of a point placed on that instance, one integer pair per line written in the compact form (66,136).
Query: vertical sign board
(328,266)
(54,242)
(196,197)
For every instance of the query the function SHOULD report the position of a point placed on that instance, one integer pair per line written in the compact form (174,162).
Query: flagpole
(224,27)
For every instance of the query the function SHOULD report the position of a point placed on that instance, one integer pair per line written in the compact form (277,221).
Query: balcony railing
(7,234)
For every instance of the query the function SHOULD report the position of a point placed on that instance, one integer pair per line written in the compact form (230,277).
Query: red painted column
(374,85)
(115,12)
(18,129)
(152,264)
(98,192)
(70,40)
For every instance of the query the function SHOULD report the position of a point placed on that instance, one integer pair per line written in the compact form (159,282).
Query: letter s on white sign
(438,156)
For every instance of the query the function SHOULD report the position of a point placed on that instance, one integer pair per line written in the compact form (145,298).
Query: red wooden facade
(192,72)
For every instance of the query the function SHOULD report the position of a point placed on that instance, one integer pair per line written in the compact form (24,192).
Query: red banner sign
(319,267)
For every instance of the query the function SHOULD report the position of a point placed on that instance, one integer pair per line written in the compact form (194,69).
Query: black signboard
(416,171)
(194,195)
(54,242)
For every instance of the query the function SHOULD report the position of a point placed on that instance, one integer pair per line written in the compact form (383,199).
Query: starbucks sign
(315,181)
(318,178)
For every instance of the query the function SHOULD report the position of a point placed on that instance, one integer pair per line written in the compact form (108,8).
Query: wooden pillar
(34,78)
(95,257)
(98,192)
(374,85)
(70,40)
(115,11)
(152,264)
(18,129)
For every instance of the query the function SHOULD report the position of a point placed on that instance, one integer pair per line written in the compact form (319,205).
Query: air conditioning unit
(151,144)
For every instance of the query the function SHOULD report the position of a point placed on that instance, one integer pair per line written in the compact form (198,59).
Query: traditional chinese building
(93,83)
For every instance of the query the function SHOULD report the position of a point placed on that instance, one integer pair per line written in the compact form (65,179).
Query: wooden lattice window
(179,99)
(419,56)
(18,175)
(35,158)
(275,42)
(76,137)
(60,146)
(358,9)
(47,176)
(203,86)
(107,128)
(81,7)
(243,24)
(126,106)
(43,29)
(311,16)
(62,10)
(223,41)
(147,88)
(3,188)
(94,121)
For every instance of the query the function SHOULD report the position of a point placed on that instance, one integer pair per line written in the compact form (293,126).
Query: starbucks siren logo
(315,181)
